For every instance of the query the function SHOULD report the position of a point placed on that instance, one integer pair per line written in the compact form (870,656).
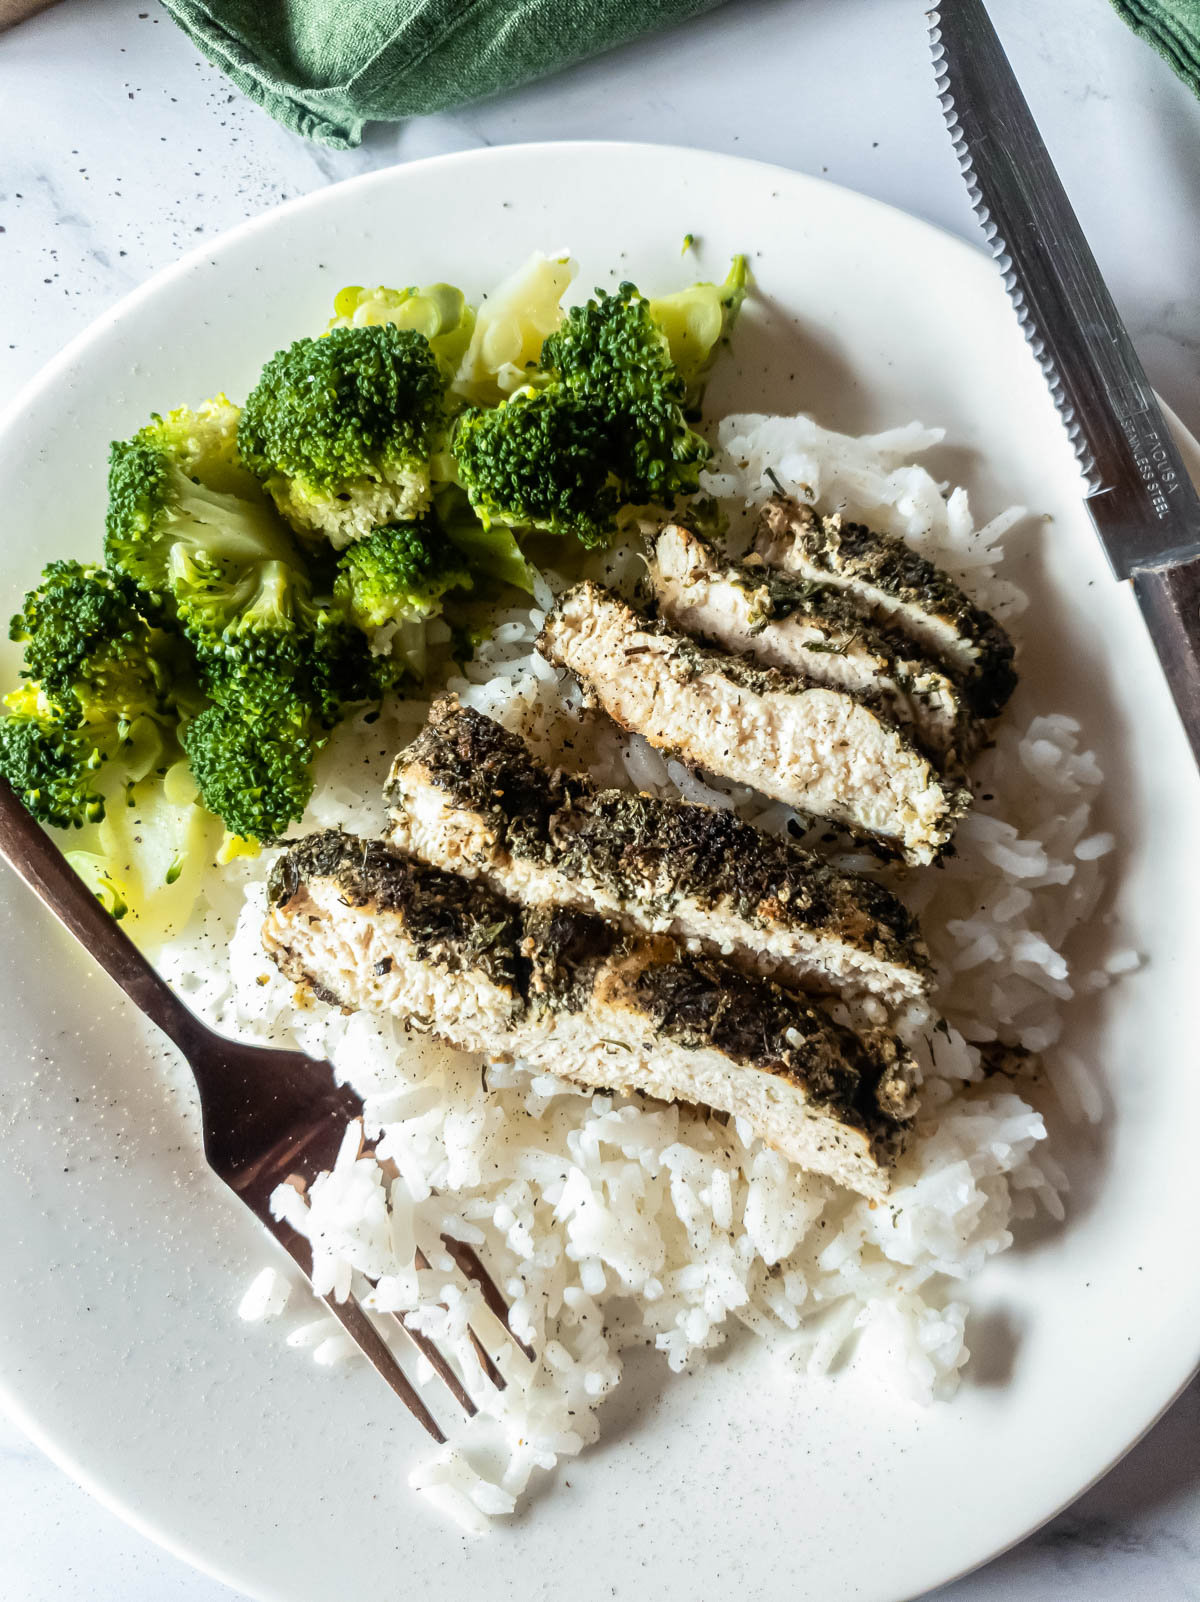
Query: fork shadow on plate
(623,1415)
(631,1408)
(994,1337)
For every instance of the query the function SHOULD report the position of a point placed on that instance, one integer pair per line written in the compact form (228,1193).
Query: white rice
(610,1222)
(266,1297)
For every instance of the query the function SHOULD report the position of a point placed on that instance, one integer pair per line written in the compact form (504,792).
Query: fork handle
(32,854)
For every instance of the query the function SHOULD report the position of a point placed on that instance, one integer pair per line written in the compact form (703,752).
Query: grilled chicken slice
(889,582)
(368,928)
(469,797)
(822,750)
(786,621)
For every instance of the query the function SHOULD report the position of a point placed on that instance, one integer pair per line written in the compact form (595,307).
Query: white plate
(122,1261)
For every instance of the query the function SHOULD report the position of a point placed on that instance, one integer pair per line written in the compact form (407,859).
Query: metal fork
(267,1116)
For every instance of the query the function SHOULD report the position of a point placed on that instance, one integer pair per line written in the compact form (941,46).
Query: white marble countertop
(121,149)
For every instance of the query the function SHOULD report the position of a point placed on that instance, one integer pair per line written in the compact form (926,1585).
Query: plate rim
(973,256)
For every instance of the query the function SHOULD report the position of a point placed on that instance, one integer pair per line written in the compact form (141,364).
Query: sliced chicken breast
(565,992)
(889,582)
(469,797)
(787,621)
(819,749)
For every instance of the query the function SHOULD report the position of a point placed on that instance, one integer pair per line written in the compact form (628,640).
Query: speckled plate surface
(122,1261)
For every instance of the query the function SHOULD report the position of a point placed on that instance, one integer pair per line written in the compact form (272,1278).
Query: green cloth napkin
(1173,28)
(326,67)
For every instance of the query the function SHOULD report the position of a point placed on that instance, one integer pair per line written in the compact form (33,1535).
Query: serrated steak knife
(1140,497)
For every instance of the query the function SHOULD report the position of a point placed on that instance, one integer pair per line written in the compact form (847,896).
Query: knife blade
(1138,492)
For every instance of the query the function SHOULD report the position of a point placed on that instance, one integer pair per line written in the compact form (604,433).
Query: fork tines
(361,1328)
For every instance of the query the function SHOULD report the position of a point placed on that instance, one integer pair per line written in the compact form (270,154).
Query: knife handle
(1169,597)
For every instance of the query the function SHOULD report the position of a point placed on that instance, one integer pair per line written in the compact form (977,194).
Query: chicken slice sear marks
(889,582)
(785,620)
(822,750)
(468,796)
(562,991)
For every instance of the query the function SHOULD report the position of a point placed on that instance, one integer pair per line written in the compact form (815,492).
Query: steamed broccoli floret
(601,426)
(95,673)
(262,616)
(278,670)
(221,568)
(341,429)
(171,532)
(614,359)
(50,765)
(539,460)
(251,758)
(251,747)
(78,624)
(266,619)
(202,442)
(90,652)
(398,572)
(279,630)
(343,672)
(275,684)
